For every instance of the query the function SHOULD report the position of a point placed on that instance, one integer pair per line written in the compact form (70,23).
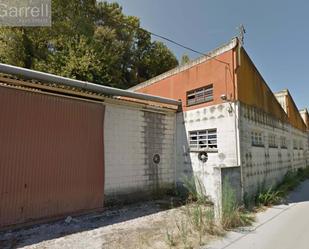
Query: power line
(185,47)
(177,43)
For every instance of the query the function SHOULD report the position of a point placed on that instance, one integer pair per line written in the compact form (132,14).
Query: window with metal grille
(203,139)
(295,144)
(284,143)
(200,95)
(272,141)
(257,139)
(301,145)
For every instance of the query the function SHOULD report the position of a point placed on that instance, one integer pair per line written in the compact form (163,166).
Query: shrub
(195,190)
(268,197)
(291,180)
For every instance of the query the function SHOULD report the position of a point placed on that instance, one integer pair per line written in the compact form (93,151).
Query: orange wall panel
(294,115)
(253,90)
(212,71)
(232,73)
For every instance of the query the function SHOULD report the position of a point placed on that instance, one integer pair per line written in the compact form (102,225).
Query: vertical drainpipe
(237,116)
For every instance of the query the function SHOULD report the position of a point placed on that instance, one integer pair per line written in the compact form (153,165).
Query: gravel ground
(132,226)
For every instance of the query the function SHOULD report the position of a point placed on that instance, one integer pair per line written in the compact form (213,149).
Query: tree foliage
(184,59)
(89,40)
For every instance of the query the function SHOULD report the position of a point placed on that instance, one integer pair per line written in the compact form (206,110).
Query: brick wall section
(133,137)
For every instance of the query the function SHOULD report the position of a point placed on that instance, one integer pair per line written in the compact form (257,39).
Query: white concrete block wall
(216,116)
(133,135)
(265,165)
(127,152)
(259,165)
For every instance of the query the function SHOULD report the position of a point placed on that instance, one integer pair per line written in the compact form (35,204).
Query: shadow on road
(300,194)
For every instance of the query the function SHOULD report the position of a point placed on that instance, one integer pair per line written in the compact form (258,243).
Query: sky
(276,39)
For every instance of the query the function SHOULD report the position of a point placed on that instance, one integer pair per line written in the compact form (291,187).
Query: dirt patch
(143,225)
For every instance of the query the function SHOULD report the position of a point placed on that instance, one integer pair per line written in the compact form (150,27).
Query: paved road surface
(280,227)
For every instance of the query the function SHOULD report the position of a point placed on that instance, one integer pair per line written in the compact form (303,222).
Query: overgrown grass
(197,221)
(268,197)
(200,210)
(292,179)
(233,215)
(275,195)
(200,222)
(170,239)
(195,191)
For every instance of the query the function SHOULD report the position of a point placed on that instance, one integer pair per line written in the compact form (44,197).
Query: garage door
(51,156)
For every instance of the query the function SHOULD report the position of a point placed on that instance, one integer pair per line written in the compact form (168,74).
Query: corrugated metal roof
(38,86)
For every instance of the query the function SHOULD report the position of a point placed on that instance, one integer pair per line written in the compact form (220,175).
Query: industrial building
(231,125)
(69,147)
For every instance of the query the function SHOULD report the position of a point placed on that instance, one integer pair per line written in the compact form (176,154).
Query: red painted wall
(51,156)
(219,73)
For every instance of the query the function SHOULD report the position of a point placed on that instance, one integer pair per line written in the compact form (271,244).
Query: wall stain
(154,130)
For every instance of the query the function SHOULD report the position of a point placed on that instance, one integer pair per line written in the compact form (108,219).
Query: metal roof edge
(47,77)
(215,52)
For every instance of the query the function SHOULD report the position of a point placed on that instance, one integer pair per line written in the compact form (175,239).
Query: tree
(91,41)
(157,59)
(184,59)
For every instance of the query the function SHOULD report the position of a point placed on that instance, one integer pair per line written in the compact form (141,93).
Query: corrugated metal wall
(51,156)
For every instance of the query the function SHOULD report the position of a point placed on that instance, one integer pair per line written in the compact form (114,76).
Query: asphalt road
(279,227)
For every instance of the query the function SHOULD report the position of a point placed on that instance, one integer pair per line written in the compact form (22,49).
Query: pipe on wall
(46,77)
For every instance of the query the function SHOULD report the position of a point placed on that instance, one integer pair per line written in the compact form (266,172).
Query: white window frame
(200,95)
(206,139)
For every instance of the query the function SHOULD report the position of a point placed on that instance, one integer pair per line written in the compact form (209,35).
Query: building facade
(231,125)
(65,152)
(67,149)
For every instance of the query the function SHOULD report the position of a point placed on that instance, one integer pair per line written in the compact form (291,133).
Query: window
(272,143)
(295,145)
(200,95)
(301,145)
(283,143)
(203,139)
(257,138)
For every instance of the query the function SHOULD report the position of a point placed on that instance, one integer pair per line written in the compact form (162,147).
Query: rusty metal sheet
(51,156)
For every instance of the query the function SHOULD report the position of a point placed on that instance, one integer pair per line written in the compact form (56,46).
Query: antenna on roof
(241,35)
